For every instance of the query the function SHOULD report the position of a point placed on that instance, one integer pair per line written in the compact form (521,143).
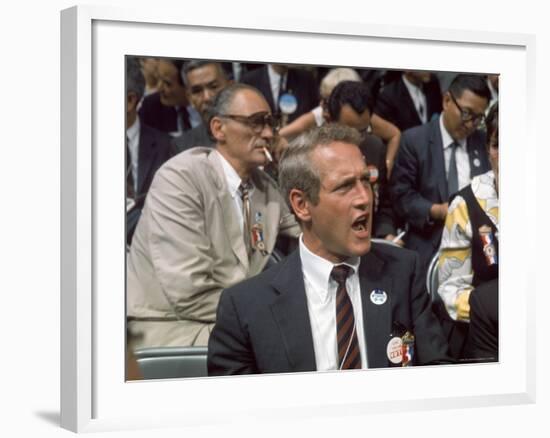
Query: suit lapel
(438,167)
(291,314)
(228,210)
(266,85)
(377,318)
(409,106)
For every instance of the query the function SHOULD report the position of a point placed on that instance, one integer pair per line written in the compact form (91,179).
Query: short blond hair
(334,77)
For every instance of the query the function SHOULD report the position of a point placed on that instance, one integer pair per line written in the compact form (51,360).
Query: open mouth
(360,224)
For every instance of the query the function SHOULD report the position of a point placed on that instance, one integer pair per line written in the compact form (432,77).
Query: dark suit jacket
(164,118)
(300,83)
(155,147)
(263,323)
(419,180)
(374,150)
(198,136)
(394,103)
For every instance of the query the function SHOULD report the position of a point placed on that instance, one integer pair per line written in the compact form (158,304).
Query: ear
(300,205)
(217,128)
(131,101)
(446,100)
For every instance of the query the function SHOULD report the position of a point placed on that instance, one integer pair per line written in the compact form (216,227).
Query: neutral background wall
(29,216)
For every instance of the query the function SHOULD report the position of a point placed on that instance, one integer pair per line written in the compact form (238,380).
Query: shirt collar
(317,269)
(133,131)
(446,137)
(413,89)
(231,176)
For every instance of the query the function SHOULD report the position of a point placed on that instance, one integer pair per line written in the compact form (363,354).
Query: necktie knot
(340,273)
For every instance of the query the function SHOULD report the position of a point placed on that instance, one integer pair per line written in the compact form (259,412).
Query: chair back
(172,362)
(432,278)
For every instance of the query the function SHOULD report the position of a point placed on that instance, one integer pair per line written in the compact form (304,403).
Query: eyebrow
(350,179)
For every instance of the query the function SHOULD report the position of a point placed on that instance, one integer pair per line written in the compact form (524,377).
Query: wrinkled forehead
(247,102)
(338,159)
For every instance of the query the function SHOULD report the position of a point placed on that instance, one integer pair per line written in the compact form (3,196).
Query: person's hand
(390,237)
(439,211)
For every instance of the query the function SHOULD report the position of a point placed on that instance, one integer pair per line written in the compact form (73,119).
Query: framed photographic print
(95,393)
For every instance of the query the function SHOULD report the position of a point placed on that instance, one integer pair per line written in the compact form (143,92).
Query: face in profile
(339,225)
(172,91)
(243,133)
(204,83)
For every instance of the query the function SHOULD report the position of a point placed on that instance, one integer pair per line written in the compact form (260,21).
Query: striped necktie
(244,190)
(346,333)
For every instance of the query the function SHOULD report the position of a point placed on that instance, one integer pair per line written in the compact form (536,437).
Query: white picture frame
(94,396)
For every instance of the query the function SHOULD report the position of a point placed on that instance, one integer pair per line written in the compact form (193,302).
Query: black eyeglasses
(468,116)
(256,122)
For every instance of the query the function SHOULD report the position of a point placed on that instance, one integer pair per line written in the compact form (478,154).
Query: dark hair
(355,94)
(297,171)
(135,82)
(477,84)
(178,63)
(491,123)
(197,63)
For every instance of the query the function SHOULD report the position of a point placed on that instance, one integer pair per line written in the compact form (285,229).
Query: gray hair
(224,99)
(296,170)
(135,82)
(196,63)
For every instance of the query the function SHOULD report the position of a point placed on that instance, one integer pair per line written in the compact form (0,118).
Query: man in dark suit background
(203,80)
(168,110)
(436,160)
(146,149)
(338,302)
(277,80)
(412,100)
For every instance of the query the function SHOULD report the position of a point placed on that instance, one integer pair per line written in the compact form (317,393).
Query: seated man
(210,220)
(339,301)
(203,80)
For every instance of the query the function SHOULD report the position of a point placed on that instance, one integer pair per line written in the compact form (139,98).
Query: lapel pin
(394,350)
(378,297)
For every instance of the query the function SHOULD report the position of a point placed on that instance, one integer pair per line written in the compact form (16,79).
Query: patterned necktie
(346,333)
(452,178)
(244,189)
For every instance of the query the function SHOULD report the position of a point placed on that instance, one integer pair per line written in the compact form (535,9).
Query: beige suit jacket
(188,247)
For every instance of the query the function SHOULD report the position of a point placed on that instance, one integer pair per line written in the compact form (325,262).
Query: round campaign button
(378,297)
(394,350)
(477,163)
(288,103)
(373,173)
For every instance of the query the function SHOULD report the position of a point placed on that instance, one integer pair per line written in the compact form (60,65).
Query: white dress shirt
(233,182)
(275,82)
(132,133)
(462,158)
(321,304)
(418,97)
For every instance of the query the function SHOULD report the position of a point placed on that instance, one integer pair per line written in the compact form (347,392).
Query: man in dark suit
(278,80)
(168,110)
(351,104)
(338,302)
(412,100)
(436,160)
(146,149)
(203,80)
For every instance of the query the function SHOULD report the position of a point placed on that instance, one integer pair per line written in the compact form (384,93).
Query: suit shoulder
(394,254)
(256,288)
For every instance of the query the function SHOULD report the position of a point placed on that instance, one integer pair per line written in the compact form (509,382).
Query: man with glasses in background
(210,220)
(437,159)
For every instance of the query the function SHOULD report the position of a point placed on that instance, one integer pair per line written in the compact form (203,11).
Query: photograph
(285,218)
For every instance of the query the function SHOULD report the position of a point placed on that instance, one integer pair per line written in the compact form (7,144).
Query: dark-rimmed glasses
(468,116)
(257,122)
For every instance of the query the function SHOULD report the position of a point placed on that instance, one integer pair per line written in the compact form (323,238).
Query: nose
(267,131)
(364,195)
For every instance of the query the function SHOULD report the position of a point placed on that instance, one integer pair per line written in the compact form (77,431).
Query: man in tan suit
(201,231)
